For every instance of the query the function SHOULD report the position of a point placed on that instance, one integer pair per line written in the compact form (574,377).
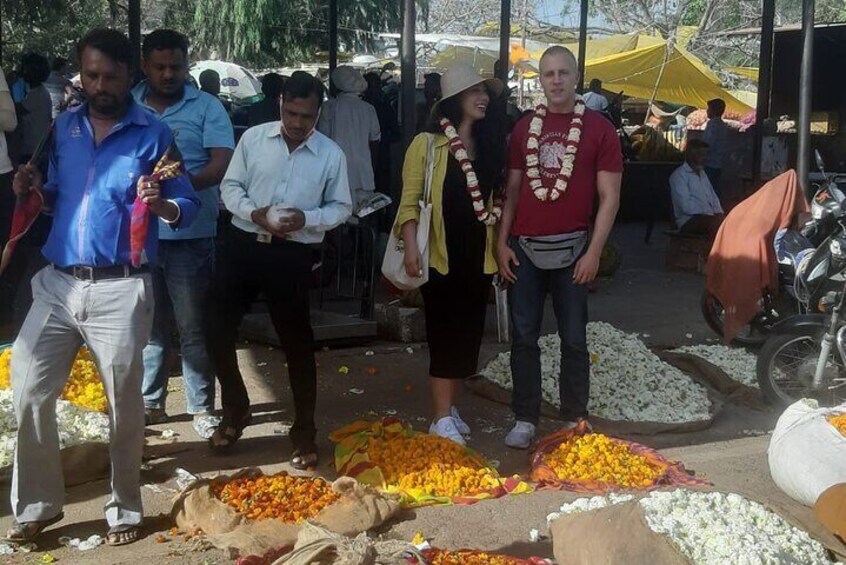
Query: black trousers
(280,270)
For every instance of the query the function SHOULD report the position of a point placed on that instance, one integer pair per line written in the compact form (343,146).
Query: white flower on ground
(76,425)
(628,381)
(713,528)
(737,363)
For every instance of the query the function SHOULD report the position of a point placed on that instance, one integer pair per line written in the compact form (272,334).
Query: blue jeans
(181,284)
(569,301)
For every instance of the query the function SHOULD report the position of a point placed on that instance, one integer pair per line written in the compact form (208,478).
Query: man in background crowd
(57,84)
(183,277)
(267,109)
(716,136)
(696,207)
(594,99)
(8,123)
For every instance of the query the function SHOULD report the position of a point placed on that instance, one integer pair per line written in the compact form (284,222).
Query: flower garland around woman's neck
(456,147)
(571,145)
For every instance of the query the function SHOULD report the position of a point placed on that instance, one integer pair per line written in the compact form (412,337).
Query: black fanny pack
(551,252)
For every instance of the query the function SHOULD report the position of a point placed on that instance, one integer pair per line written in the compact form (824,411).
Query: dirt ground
(390,379)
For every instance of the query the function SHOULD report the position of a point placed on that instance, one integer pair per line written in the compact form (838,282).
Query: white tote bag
(393,265)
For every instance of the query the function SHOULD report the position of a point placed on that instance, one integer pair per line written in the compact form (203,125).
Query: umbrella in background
(236,82)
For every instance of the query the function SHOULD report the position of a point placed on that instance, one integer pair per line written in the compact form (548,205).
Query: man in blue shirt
(183,275)
(100,159)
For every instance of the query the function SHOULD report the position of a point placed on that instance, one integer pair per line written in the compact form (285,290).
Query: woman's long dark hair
(488,133)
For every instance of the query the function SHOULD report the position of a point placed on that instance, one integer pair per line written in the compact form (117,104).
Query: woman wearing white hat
(468,154)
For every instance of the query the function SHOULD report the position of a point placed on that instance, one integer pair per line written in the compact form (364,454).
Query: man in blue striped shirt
(100,161)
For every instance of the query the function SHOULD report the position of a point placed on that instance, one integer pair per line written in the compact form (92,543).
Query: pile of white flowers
(713,528)
(738,364)
(76,425)
(628,381)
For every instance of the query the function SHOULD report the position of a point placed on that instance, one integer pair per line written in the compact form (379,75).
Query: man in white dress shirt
(286,186)
(696,207)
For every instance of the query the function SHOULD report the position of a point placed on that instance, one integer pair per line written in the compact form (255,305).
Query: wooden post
(504,39)
(408,70)
(583,21)
(765,69)
(134,17)
(806,80)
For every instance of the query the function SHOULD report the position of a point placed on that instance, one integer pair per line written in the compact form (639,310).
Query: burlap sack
(615,535)
(360,509)
(318,546)
(712,377)
(486,389)
(81,464)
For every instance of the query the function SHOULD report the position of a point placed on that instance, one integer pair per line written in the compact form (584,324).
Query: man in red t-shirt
(543,242)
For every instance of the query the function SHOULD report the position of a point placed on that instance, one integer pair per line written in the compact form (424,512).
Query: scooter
(826,209)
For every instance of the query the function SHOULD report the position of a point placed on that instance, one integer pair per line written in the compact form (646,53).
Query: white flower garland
(571,146)
(456,147)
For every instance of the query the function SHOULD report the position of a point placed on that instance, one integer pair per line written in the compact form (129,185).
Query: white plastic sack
(807,455)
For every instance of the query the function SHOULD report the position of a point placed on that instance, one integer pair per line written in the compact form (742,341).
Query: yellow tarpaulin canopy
(745,72)
(628,63)
(686,80)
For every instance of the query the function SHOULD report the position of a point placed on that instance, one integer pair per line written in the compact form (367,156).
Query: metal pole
(806,76)
(504,39)
(765,68)
(583,22)
(408,71)
(333,35)
(134,16)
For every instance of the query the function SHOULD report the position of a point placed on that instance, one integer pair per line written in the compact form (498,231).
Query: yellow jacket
(413,184)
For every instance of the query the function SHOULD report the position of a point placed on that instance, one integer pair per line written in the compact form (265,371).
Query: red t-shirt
(599,150)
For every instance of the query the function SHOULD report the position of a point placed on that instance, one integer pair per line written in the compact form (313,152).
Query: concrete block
(398,323)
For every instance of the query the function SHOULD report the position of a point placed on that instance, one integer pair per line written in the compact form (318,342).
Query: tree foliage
(286,31)
(461,16)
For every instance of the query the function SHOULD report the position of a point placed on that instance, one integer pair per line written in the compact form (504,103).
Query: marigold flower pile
(839,422)
(467,557)
(598,458)
(84,387)
(434,465)
(280,496)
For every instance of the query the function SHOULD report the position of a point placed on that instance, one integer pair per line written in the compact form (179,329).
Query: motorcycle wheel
(714,314)
(786,367)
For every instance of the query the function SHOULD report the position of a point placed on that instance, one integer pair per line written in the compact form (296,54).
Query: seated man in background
(696,207)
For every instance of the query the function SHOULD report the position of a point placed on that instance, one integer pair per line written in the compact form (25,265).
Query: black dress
(456,303)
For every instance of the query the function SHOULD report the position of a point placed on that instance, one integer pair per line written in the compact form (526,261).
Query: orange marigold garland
(469,557)
(582,461)
(432,465)
(839,422)
(281,496)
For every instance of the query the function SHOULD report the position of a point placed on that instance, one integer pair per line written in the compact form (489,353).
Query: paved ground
(642,297)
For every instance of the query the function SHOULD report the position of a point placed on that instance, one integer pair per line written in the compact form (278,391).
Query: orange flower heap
(839,422)
(280,496)
(466,557)
(598,458)
(431,464)
(84,387)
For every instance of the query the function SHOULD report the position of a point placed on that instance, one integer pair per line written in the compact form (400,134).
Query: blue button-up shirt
(199,123)
(91,188)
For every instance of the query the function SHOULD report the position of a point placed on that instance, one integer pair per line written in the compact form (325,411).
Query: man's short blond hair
(559,50)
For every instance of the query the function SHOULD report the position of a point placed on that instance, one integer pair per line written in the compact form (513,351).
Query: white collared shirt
(313,179)
(692,194)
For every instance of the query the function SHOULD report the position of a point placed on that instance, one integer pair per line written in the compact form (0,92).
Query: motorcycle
(826,207)
(805,354)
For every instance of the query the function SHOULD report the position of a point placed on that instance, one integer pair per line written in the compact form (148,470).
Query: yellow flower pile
(596,458)
(281,496)
(468,557)
(839,422)
(84,387)
(434,465)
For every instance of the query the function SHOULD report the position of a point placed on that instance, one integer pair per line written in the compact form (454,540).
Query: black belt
(84,273)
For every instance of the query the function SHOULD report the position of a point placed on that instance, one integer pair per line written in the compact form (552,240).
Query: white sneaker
(446,428)
(462,426)
(521,435)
